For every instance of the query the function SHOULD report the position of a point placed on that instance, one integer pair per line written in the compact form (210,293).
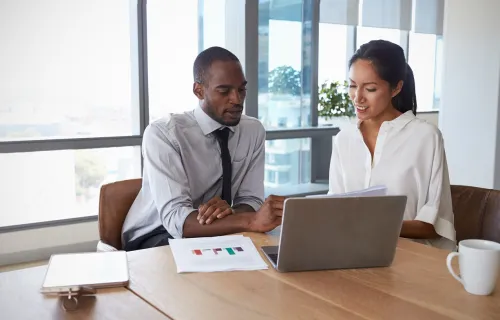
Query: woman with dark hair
(390,146)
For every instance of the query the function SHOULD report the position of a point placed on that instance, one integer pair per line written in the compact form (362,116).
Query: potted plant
(334,105)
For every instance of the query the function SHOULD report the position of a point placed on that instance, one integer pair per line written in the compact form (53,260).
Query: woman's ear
(398,88)
(198,90)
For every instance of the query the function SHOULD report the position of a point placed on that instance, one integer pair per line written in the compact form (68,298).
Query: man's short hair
(205,59)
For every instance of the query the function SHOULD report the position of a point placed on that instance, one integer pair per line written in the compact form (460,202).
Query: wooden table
(416,286)
(20,299)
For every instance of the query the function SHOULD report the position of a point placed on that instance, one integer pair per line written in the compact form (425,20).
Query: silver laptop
(337,233)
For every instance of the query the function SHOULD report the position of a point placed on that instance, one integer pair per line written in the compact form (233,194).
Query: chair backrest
(114,203)
(477,213)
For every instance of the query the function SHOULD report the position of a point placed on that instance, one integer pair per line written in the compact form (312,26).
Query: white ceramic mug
(479,263)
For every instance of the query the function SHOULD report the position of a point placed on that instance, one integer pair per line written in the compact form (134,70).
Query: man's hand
(264,220)
(269,215)
(215,208)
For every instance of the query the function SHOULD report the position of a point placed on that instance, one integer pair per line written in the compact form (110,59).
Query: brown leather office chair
(114,203)
(477,213)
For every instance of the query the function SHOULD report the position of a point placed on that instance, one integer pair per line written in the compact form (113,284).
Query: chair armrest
(104,247)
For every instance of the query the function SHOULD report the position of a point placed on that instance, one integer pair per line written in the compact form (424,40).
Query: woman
(390,146)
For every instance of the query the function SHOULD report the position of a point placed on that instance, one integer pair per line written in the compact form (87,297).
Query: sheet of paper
(225,253)
(375,191)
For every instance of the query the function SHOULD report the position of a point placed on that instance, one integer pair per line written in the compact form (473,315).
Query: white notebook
(93,270)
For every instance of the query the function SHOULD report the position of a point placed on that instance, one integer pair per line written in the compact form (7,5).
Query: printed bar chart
(216,254)
(217,251)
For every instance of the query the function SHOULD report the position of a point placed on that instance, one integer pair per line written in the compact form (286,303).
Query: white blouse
(409,159)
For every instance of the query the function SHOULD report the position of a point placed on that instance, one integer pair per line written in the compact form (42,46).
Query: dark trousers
(156,238)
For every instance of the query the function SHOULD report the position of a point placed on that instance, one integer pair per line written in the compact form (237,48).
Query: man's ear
(198,90)
(398,88)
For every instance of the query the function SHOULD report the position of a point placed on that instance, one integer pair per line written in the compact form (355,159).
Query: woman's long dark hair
(390,64)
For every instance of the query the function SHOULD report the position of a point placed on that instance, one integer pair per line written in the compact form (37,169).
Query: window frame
(139,66)
(320,135)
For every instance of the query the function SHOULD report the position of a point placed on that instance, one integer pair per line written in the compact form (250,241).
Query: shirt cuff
(252,202)
(174,222)
(443,227)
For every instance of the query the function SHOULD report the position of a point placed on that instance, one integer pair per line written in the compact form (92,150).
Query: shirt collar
(399,122)
(207,124)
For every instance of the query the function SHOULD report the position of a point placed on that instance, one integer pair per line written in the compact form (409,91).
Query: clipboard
(72,275)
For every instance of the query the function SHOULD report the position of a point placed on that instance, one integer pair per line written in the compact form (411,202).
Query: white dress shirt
(409,159)
(183,169)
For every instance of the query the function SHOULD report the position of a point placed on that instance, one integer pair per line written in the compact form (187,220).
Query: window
(284,177)
(75,86)
(282,122)
(289,162)
(55,185)
(333,48)
(66,72)
(78,89)
(334,53)
(423,59)
(170,55)
(68,75)
(366,34)
(283,37)
(270,176)
(277,158)
(284,87)
(177,32)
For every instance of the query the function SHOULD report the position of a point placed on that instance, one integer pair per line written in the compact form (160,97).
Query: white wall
(431,117)
(39,244)
(469,116)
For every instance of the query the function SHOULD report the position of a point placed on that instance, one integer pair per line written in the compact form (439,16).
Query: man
(204,169)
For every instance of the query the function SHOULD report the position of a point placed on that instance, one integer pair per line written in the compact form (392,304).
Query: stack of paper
(375,191)
(92,269)
(225,253)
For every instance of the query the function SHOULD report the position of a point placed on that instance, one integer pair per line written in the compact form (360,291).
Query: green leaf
(334,101)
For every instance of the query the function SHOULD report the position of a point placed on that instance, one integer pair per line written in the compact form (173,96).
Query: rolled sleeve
(174,220)
(253,202)
(251,190)
(438,209)
(167,179)
(443,227)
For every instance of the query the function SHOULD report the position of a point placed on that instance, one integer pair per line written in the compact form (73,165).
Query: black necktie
(223,137)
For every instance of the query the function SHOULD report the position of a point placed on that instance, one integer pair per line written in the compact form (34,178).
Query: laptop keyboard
(273,257)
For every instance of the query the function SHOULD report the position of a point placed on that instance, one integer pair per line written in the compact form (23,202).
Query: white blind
(428,16)
(339,12)
(393,14)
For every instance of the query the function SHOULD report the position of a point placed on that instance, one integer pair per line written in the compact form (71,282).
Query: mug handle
(449,259)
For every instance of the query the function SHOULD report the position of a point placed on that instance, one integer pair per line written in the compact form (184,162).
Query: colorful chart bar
(216,251)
